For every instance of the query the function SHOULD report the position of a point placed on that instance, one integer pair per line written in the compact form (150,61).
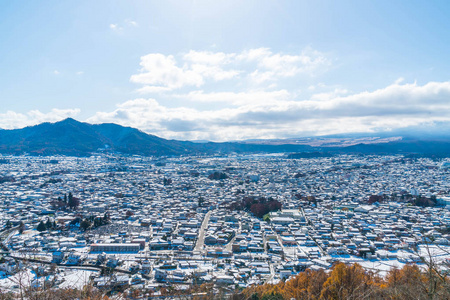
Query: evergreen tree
(21,227)
(73,202)
(85,224)
(105,219)
(41,227)
(48,224)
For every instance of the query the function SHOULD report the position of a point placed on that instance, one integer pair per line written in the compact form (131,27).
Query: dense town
(123,223)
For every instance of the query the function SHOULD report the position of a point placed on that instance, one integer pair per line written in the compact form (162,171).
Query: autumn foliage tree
(354,282)
(307,285)
(258,206)
(347,282)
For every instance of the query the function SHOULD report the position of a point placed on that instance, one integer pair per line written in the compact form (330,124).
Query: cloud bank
(255,93)
(13,120)
(279,114)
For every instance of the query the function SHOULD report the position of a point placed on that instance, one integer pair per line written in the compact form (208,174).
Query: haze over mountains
(71,137)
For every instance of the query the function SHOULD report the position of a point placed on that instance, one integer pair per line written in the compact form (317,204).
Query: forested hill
(71,137)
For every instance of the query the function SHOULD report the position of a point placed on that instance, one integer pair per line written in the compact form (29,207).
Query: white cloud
(238,99)
(115,27)
(120,27)
(283,116)
(214,72)
(279,115)
(160,71)
(227,96)
(399,80)
(56,72)
(150,89)
(329,95)
(12,120)
(273,66)
(131,23)
(197,68)
(209,58)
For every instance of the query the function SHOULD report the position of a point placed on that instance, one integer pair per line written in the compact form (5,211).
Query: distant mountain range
(71,137)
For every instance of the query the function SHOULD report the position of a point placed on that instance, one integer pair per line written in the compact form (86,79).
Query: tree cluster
(354,282)
(68,201)
(375,198)
(50,181)
(128,214)
(299,175)
(417,200)
(4,179)
(311,199)
(90,221)
(258,206)
(425,202)
(218,176)
(46,226)
(49,292)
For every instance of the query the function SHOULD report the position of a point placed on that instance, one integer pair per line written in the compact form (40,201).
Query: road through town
(201,234)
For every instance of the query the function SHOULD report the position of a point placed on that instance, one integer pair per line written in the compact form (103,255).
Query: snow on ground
(75,278)
(23,278)
(438,252)
(304,249)
(347,258)
(381,267)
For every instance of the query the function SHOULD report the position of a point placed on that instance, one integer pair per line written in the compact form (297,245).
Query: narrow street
(201,234)
(229,246)
(314,226)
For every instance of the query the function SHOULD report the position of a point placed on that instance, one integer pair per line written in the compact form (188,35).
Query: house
(115,247)
(224,280)
(74,259)
(158,244)
(58,257)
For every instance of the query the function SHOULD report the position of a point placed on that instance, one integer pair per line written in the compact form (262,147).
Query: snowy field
(69,278)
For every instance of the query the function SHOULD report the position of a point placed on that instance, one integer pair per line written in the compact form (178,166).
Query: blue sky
(226,70)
